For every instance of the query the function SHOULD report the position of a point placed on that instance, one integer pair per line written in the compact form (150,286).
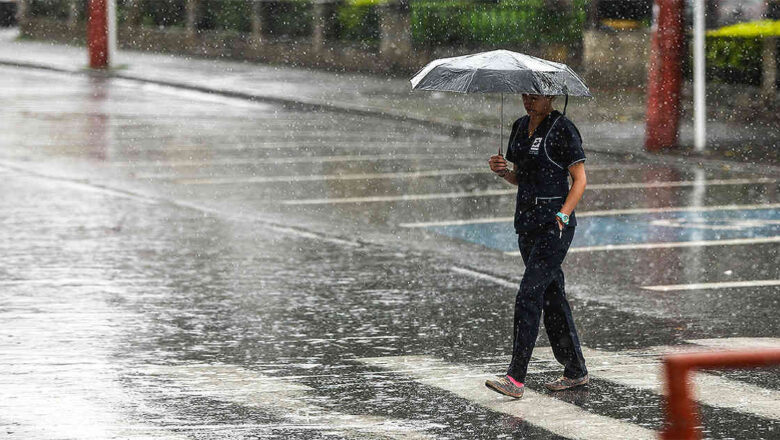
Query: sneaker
(505,386)
(564,383)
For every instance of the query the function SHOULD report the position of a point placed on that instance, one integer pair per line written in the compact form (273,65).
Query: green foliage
(122,10)
(358,20)
(467,23)
(734,60)
(288,18)
(49,8)
(508,23)
(163,12)
(229,15)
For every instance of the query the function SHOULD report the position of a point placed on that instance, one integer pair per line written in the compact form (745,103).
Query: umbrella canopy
(500,71)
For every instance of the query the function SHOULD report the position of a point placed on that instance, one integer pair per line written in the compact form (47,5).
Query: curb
(456,128)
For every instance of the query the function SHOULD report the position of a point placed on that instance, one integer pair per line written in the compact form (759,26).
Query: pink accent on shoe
(512,379)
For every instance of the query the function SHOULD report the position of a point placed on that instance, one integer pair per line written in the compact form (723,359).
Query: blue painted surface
(636,228)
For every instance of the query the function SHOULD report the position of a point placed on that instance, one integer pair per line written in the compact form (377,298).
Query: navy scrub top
(543,162)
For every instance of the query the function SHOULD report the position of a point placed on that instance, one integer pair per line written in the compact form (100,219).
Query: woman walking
(545,149)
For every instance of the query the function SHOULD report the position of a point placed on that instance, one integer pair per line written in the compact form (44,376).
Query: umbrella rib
(472,79)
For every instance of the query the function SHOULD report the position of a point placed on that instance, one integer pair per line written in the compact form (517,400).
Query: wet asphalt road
(179,265)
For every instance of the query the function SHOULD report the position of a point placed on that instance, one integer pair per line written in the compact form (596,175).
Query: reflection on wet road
(176,266)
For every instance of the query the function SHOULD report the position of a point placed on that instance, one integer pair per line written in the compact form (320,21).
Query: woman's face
(537,105)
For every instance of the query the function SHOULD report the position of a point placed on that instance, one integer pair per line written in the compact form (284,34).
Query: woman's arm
(511,176)
(579,181)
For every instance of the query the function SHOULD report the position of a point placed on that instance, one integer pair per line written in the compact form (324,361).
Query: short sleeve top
(564,142)
(542,161)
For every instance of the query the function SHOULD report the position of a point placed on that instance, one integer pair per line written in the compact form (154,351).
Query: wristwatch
(564,218)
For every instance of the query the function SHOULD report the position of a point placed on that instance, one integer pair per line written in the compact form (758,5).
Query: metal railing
(683,421)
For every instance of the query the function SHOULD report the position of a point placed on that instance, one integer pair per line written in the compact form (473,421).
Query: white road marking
(699,223)
(289,399)
(289,160)
(646,373)
(317,177)
(404,197)
(738,343)
(189,94)
(506,192)
(329,177)
(673,244)
(307,234)
(277,228)
(87,186)
(472,221)
(173,144)
(719,285)
(598,213)
(66,282)
(561,418)
(673,184)
(484,276)
(210,179)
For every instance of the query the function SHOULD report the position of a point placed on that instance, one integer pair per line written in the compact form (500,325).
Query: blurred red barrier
(681,414)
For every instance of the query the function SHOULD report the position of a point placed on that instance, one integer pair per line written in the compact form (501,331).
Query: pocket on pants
(558,230)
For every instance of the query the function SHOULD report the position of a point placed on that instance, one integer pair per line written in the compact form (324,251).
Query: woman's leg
(545,255)
(559,323)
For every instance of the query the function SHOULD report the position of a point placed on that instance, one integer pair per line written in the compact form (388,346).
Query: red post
(665,75)
(681,414)
(97,34)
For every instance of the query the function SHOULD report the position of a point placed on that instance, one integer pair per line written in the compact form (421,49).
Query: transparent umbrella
(500,71)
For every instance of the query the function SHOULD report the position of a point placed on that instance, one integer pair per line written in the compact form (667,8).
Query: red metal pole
(665,75)
(681,414)
(97,34)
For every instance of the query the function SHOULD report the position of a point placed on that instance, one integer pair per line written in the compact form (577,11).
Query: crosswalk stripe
(538,409)
(719,285)
(234,384)
(645,372)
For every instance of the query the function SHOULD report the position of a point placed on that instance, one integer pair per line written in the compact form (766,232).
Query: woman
(545,148)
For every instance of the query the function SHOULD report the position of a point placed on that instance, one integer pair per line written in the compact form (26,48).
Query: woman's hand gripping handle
(498,165)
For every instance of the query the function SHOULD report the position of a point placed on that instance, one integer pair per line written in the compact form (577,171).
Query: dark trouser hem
(542,291)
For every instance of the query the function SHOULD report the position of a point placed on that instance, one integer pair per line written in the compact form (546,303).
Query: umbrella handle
(501,127)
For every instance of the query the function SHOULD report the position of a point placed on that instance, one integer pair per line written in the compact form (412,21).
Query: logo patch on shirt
(535,146)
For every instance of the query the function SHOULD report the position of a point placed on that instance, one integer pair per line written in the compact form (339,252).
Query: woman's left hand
(560,223)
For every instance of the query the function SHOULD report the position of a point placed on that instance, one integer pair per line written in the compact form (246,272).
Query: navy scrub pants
(542,289)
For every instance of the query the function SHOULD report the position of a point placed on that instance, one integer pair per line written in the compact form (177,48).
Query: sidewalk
(609,123)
